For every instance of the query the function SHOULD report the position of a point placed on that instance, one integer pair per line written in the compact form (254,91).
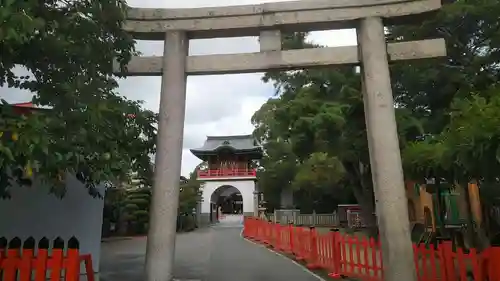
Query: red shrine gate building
(229,178)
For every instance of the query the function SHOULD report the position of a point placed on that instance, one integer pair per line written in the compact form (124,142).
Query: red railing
(224,173)
(349,256)
(27,264)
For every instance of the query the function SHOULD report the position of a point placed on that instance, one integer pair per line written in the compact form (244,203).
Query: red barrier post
(251,233)
(493,263)
(270,228)
(313,248)
(292,236)
(298,243)
(272,235)
(252,229)
(9,265)
(89,268)
(277,236)
(248,230)
(72,265)
(269,236)
(40,266)
(270,239)
(336,255)
(265,232)
(449,261)
(25,265)
(281,237)
(285,236)
(255,230)
(259,231)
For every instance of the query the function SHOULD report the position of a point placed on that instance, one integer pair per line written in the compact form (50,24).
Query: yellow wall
(420,202)
(475,203)
(425,200)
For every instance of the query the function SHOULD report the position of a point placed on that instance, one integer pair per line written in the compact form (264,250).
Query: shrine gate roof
(239,144)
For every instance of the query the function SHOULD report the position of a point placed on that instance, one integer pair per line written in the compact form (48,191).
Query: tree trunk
(465,200)
(364,196)
(475,232)
(482,234)
(362,187)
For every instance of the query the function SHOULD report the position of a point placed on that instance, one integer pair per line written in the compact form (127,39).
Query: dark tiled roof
(240,143)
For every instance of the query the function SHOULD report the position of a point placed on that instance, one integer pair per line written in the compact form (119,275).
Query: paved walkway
(217,253)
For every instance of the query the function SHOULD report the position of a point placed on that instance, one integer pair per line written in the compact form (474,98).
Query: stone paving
(217,253)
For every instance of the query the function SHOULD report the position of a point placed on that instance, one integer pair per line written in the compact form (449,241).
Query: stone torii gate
(176,26)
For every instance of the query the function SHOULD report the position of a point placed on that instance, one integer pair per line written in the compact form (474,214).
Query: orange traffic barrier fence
(37,261)
(350,256)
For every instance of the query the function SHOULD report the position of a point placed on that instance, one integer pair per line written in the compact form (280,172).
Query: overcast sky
(218,104)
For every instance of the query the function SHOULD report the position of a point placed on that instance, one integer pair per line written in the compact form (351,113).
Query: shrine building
(229,176)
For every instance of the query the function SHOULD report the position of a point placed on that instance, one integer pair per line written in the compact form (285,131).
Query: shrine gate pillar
(165,199)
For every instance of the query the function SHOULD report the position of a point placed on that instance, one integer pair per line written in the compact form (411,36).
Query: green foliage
(88,130)
(313,133)
(425,159)
(467,148)
(189,196)
(131,207)
(319,170)
(454,99)
(446,111)
(138,201)
(473,136)
(136,209)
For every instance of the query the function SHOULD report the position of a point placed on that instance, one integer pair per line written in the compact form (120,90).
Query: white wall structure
(32,211)
(245,187)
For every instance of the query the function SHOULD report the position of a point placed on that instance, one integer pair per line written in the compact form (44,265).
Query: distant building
(229,177)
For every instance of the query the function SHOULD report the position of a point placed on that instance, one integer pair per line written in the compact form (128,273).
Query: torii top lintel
(268,21)
(249,20)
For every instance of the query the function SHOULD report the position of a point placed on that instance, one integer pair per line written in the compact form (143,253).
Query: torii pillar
(164,204)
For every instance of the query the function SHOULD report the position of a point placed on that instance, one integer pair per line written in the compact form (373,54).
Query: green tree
(454,98)
(467,150)
(189,196)
(90,131)
(314,133)
(322,110)
(136,210)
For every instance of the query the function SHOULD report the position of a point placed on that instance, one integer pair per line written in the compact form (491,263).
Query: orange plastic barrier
(26,263)
(349,256)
